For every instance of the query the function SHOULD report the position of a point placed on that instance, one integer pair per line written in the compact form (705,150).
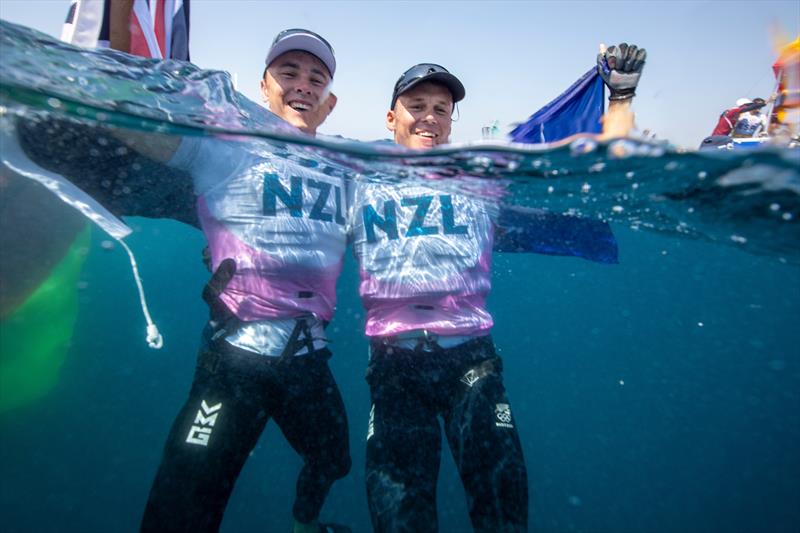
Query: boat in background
(783,128)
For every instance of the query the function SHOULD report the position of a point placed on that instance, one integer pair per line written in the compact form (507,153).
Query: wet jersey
(424,256)
(281,219)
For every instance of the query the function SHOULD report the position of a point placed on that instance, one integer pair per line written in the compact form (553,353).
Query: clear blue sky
(513,57)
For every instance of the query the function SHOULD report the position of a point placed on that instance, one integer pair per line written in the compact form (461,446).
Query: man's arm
(621,68)
(158,147)
(120,25)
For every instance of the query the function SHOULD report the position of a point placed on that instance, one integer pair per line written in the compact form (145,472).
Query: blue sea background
(660,394)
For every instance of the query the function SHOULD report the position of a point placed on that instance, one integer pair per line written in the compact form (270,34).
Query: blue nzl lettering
(318,211)
(448,217)
(292,199)
(388,223)
(423,203)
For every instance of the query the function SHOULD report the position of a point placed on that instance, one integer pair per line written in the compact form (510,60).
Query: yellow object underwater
(35,339)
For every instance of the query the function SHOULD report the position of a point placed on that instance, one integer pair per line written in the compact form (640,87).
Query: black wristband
(625,94)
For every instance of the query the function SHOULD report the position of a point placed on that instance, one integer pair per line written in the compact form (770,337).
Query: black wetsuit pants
(463,385)
(233,395)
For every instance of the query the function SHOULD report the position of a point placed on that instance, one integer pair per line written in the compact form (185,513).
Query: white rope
(154,338)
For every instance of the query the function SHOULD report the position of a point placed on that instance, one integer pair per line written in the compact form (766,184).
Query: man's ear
(391,120)
(264,91)
(330,103)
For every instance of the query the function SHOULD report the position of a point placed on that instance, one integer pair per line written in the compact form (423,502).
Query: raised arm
(621,68)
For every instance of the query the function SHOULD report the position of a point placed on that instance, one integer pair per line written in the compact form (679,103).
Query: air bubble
(585,188)
(774,207)
(630,174)
(618,209)
(702,175)
(55,103)
(787,216)
(739,239)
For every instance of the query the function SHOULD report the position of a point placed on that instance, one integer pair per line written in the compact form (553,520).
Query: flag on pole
(159,28)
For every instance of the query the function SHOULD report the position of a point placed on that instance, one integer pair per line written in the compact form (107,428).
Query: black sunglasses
(416,72)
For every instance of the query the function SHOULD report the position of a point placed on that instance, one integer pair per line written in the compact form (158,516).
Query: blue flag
(576,110)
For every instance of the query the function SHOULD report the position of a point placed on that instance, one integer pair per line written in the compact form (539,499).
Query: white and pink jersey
(425,259)
(282,220)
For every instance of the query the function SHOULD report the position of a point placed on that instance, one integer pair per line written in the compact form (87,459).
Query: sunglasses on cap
(428,72)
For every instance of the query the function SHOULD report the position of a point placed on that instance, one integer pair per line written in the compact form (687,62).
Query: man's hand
(621,67)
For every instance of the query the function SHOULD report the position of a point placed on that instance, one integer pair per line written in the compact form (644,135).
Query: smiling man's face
(422,116)
(296,88)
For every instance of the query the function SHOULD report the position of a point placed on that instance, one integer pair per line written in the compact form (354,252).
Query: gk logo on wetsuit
(204,422)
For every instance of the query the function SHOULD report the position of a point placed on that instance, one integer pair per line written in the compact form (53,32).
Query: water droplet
(739,239)
(702,175)
(663,252)
(618,209)
(621,149)
(630,174)
(550,189)
(622,382)
(787,216)
(582,146)
(690,210)
(700,324)
(774,207)
(597,167)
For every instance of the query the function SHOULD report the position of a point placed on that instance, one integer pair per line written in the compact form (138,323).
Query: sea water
(661,393)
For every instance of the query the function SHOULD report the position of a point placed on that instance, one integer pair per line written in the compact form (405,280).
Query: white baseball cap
(305,41)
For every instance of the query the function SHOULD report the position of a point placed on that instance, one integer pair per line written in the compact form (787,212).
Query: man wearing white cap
(728,119)
(276,234)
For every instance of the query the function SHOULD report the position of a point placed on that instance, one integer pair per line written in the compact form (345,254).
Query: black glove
(621,67)
(219,280)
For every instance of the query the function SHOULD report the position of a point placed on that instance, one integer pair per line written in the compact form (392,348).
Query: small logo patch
(470,378)
(204,422)
(371,425)
(502,413)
